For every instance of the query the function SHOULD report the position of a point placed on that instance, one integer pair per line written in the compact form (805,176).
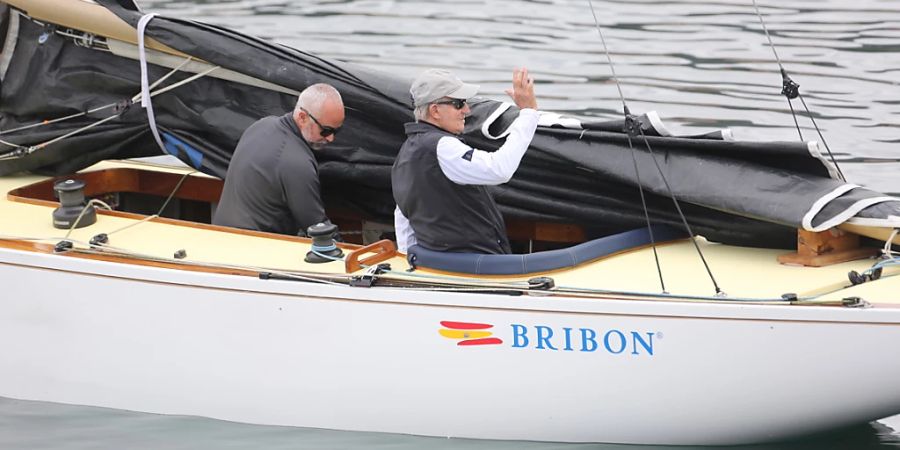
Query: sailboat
(743,327)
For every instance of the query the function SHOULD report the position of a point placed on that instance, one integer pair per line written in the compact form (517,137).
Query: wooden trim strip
(383,249)
(48,248)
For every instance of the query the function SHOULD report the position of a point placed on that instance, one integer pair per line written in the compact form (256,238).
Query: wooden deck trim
(383,250)
(48,248)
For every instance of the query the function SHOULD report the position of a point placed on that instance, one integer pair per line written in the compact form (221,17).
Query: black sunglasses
(457,103)
(325,129)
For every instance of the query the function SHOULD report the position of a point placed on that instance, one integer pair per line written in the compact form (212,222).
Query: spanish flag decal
(468,333)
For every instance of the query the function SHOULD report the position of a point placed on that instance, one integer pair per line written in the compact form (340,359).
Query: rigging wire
(21,151)
(17,146)
(612,66)
(111,105)
(59,119)
(633,127)
(791,90)
(629,123)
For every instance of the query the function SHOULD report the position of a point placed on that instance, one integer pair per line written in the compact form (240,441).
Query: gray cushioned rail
(481,264)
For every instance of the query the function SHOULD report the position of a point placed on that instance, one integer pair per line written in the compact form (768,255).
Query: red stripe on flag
(465,325)
(484,341)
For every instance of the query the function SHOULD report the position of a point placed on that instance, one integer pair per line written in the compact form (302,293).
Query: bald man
(272,182)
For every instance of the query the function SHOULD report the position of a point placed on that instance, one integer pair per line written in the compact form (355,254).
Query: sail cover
(586,173)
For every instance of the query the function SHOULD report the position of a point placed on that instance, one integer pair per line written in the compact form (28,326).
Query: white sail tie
(145,85)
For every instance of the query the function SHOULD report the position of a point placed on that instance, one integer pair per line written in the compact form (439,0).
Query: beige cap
(437,83)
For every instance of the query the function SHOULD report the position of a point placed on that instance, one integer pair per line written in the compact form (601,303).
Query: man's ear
(433,112)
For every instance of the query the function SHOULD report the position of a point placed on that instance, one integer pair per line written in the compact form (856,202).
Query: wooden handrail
(383,249)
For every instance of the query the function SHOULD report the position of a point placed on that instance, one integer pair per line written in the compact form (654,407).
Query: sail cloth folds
(736,192)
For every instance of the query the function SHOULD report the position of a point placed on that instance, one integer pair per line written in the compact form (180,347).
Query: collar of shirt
(288,121)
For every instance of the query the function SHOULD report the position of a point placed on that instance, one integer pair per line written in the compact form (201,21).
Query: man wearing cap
(272,182)
(439,181)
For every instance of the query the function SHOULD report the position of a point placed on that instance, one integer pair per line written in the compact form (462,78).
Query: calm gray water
(700,64)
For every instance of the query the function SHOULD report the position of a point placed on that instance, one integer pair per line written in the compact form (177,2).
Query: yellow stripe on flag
(464,334)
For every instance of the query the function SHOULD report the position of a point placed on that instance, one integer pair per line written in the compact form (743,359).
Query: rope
(161,209)
(317,252)
(791,90)
(569,290)
(182,82)
(890,241)
(455,280)
(89,204)
(174,191)
(144,220)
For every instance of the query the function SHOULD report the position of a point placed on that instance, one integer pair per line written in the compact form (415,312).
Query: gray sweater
(272,182)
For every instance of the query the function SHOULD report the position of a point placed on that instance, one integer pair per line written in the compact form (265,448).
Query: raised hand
(522,92)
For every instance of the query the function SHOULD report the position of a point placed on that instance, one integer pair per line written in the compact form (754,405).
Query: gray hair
(421,112)
(313,97)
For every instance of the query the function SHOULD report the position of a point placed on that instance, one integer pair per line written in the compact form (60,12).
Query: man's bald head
(318,106)
(315,97)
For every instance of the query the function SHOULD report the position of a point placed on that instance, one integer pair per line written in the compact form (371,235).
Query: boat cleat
(541,286)
(368,278)
(872,273)
(63,246)
(855,302)
(99,240)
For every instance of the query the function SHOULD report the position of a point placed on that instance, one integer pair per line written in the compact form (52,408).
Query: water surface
(40,426)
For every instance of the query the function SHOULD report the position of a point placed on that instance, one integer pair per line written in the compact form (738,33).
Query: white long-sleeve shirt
(462,164)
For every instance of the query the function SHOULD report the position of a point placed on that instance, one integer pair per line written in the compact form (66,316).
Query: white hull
(286,353)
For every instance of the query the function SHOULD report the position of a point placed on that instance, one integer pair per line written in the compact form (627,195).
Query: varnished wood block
(818,249)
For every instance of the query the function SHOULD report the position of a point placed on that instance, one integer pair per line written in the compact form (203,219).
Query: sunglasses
(457,103)
(325,129)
